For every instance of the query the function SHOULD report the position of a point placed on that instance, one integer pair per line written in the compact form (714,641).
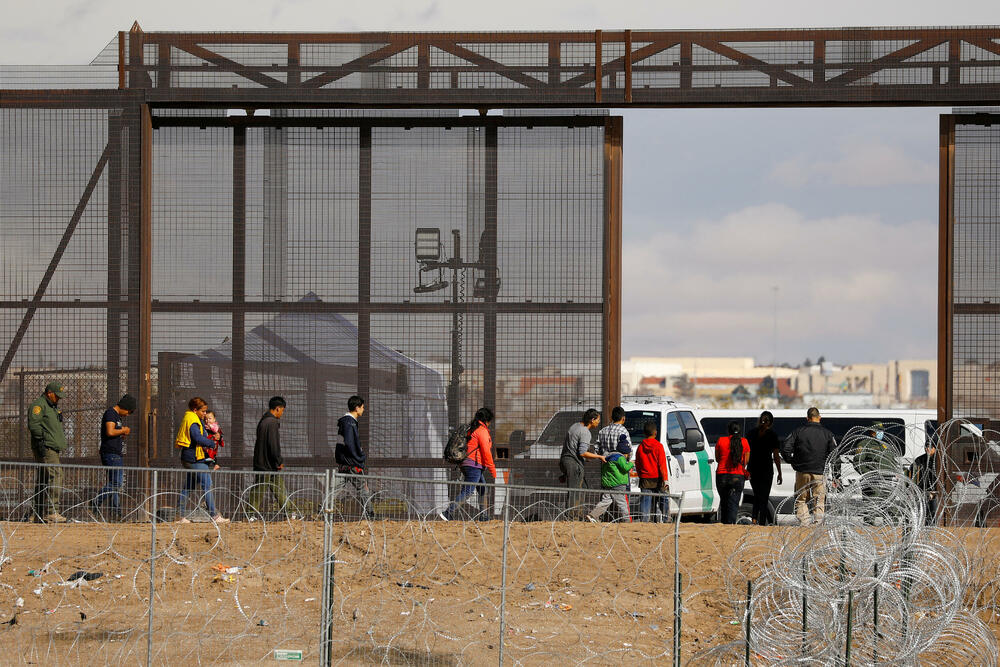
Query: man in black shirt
(267,459)
(113,432)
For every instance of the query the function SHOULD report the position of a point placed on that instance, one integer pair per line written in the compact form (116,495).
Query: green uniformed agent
(45,423)
(876,458)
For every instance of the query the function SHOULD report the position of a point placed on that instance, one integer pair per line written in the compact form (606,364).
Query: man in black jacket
(807,449)
(351,458)
(267,459)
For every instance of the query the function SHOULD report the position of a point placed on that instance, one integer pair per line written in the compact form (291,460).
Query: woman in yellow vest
(192,442)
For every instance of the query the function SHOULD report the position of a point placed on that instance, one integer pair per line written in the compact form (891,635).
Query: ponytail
(735,445)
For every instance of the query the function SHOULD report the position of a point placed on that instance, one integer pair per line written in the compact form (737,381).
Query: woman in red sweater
(478,460)
(732,452)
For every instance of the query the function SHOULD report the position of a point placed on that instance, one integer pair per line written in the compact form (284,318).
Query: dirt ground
(405,592)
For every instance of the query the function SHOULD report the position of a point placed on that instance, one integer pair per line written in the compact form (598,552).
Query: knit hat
(624,449)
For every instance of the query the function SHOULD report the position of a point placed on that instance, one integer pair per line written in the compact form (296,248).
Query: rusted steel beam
(226,65)
(778,71)
(43,284)
(598,74)
(628,65)
(946,226)
(357,65)
(612,279)
(887,60)
(490,65)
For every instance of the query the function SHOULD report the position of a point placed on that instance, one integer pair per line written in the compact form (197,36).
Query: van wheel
(711,517)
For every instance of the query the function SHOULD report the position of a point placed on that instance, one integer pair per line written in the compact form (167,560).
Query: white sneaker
(592,519)
(443,517)
(183,519)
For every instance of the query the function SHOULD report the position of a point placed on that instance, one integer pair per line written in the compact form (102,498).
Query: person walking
(576,450)
(654,477)
(112,452)
(925,476)
(614,434)
(193,443)
(478,460)
(350,455)
(267,460)
(45,424)
(764,458)
(614,481)
(732,453)
(807,448)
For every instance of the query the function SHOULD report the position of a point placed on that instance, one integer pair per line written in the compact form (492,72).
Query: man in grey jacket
(807,449)
(574,452)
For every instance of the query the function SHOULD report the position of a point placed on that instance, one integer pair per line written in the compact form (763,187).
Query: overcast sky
(837,208)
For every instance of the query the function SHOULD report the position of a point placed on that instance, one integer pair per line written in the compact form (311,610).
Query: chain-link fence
(168,566)
(172,565)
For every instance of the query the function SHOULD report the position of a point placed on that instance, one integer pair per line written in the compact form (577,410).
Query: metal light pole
(774,373)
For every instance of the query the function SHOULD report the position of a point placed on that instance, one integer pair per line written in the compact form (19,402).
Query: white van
(912,428)
(690,461)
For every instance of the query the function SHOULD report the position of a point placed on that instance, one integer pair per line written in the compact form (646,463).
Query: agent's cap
(56,388)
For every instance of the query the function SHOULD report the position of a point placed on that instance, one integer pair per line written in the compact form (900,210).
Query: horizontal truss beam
(552,69)
(508,308)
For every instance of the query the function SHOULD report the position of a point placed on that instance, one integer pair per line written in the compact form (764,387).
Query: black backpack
(456,449)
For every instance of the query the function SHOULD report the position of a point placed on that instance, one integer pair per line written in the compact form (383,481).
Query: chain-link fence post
(503,574)
(152,566)
(326,594)
(677,581)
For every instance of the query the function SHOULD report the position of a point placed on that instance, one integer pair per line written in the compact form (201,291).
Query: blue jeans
(730,494)
(116,478)
(473,476)
(203,479)
(646,505)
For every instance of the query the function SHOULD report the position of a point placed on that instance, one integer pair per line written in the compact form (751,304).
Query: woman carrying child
(193,443)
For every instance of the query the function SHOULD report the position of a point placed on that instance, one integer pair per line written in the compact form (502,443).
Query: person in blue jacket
(350,456)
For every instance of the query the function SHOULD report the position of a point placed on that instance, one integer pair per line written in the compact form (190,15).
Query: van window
(635,422)
(555,431)
(688,420)
(718,427)
(841,425)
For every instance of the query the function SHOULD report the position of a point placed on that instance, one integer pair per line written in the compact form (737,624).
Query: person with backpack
(351,457)
(614,482)
(478,459)
(732,452)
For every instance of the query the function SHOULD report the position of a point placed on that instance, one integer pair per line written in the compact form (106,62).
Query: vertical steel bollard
(746,657)
(850,624)
(503,576)
(152,568)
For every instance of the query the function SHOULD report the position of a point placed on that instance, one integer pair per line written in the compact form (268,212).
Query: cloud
(853,288)
(860,164)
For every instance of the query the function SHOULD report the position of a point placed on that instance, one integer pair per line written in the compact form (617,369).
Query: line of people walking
(199,439)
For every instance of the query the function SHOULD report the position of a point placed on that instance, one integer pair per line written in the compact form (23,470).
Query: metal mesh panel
(975,288)
(67,199)
(286,262)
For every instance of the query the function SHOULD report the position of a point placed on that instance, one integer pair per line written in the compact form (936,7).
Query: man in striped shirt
(614,434)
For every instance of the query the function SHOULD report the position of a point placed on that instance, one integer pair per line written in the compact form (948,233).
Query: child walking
(614,481)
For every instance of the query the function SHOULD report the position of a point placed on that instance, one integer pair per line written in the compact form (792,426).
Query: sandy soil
(405,592)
